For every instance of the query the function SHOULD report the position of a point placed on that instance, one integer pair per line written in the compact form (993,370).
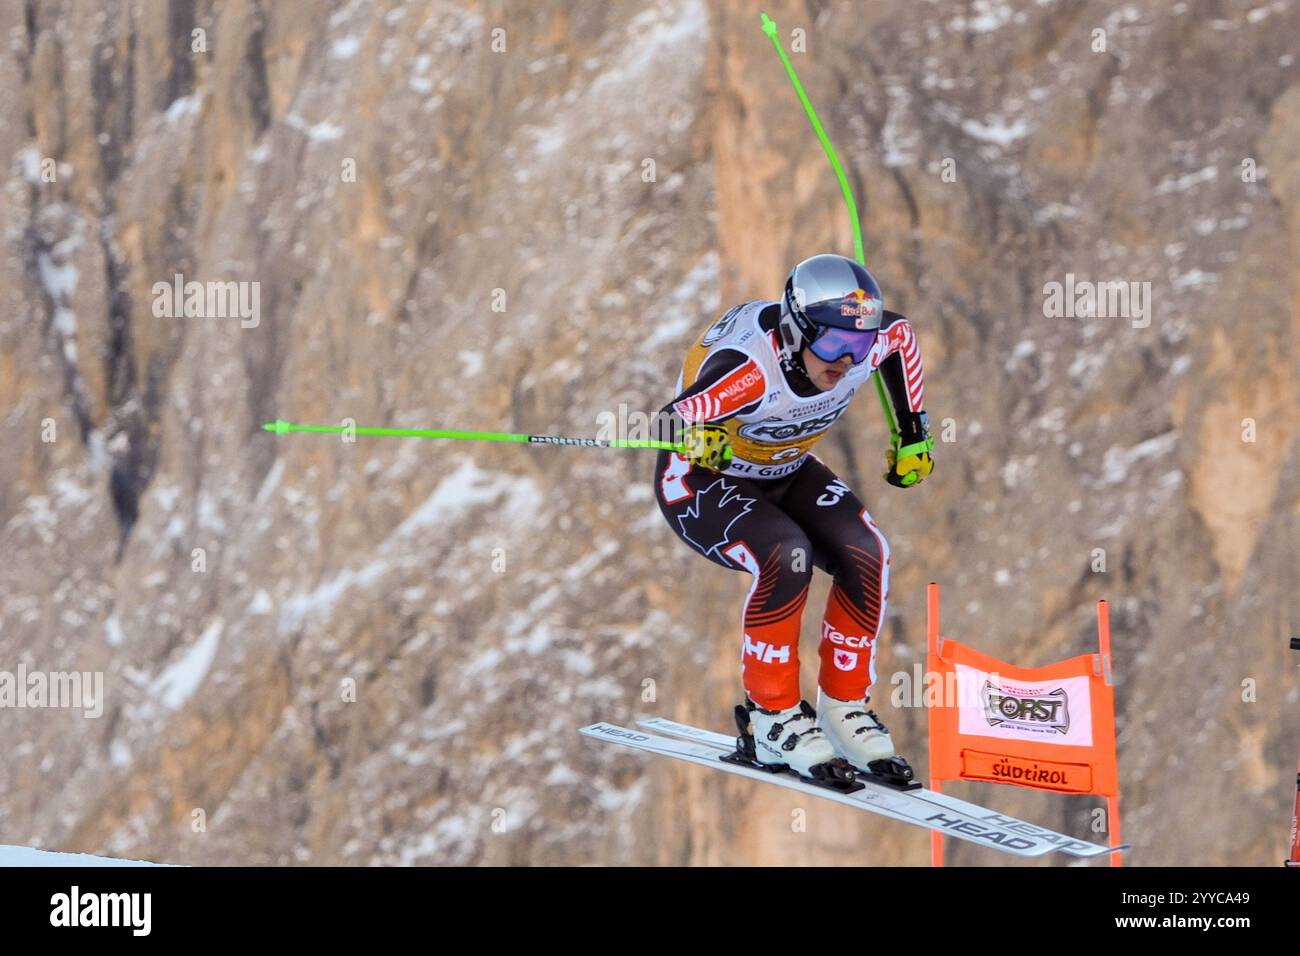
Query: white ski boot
(855,732)
(790,738)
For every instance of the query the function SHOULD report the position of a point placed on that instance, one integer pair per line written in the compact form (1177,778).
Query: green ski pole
(769,27)
(281,427)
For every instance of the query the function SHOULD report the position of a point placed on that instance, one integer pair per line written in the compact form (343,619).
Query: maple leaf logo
(718,506)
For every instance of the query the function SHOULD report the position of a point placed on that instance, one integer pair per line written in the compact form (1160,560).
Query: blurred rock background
(610,177)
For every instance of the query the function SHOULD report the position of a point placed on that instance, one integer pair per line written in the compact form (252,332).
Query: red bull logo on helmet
(859,306)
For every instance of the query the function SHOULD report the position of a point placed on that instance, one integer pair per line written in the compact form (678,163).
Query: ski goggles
(833,344)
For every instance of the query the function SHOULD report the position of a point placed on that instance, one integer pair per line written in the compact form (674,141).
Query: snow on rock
(183,106)
(29,160)
(658,33)
(517,501)
(467,487)
(345,48)
(175,685)
(694,299)
(119,754)
(471,363)
(899,147)
(995,130)
(321,599)
(261,603)
(985,16)
(1179,184)
(59,281)
(1115,466)
(322,132)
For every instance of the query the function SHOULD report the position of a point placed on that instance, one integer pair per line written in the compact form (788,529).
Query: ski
(983,827)
(921,798)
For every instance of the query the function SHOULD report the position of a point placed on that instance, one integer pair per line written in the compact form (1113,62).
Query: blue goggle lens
(834,344)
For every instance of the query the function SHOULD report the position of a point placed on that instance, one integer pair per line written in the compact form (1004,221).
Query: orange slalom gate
(1048,728)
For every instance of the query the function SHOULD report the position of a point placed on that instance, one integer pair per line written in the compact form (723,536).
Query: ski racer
(757,390)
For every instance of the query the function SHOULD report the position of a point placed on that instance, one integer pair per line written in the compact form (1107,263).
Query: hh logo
(765,652)
(845,660)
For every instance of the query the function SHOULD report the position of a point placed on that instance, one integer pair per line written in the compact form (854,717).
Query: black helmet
(830,292)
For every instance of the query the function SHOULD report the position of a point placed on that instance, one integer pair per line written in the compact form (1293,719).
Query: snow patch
(986,16)
(996,130)
(467,487)
(695,296)
(261,603)
(1115,466)
(29,856)
(660,34)
(59,281)
(613,801)
(178,682)
(471,362)
(68,494)
(899,147)
(119,754)
(183,106)
(345,48)
(271,481)
(1193,279)
(322,599)
(419,80)
(322,132)
(1179,184)
(29,160)
(166,496)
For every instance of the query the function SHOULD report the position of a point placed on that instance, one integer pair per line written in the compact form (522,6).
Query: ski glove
(707,446)
(909,460)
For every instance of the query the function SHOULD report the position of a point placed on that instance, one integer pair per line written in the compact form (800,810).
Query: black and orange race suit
(776,510)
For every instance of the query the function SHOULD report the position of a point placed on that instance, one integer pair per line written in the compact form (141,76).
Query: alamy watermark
(1084,299)
(627,424)
(53,689)
(926,688)
(208,300)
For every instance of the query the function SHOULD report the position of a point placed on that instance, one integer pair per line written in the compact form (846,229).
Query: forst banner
(1050,728)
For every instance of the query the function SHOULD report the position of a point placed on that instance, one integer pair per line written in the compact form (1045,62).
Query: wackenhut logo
(737,387)
(133,910)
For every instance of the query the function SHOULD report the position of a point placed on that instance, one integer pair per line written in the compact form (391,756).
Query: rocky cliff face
(515,217)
